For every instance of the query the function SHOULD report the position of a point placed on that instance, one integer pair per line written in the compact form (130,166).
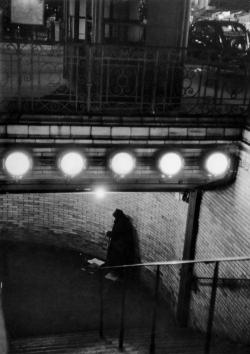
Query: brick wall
(80,221)
(224,232)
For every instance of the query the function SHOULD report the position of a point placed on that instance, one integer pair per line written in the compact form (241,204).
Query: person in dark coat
(121,242)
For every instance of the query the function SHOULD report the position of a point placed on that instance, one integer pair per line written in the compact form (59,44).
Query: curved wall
(80,221)
(224,232)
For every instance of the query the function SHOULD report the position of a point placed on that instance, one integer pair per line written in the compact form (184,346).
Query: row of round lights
(18,163)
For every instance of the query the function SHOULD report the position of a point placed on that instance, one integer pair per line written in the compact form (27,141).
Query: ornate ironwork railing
(225,295)
(108,79)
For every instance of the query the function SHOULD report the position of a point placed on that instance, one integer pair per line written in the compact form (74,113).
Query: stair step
(136,342)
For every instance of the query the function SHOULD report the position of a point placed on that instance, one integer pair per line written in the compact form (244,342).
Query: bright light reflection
(17,164)
(122,163)
(170,164)
(72,163)
(100,192)
(217,163)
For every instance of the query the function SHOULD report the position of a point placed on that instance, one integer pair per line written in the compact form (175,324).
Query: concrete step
(67,301)
(136,341)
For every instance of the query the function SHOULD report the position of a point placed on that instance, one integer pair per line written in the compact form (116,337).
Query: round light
(100,192)
(170,163)
(72,163)
(122,163)
(17,164)
(217,163)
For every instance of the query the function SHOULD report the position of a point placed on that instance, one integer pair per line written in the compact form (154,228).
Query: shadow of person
(135,250)
(136,254)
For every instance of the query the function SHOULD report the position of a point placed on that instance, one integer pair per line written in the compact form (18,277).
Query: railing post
(217,83)
(101,77)
(76,62)
(124,290)
(32,74)
(157,282)
(155,81)
(101,303)
(211,309)
(186,275)
(144,64)
(89,77)
(19,71)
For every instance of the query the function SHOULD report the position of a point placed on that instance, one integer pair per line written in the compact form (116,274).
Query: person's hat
(117,213)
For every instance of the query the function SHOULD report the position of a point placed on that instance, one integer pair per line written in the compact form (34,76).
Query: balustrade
(226,294)
(113,79)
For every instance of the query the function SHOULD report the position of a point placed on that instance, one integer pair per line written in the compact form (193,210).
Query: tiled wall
(224,232)
(80,221)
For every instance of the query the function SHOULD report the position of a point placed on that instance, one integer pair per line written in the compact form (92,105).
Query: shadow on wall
(136,242)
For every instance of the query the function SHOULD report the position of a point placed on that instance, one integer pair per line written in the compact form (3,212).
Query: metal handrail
(206,260)
(208,338)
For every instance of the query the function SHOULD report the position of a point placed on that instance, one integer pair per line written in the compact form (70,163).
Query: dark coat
(121,247)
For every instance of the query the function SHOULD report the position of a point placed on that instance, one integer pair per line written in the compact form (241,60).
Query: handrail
(209,260)
(107,78)
(215,261)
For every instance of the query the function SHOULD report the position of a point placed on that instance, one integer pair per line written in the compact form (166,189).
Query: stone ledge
(126,120)
(117,133)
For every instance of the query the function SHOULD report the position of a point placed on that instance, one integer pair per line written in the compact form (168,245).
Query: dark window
(124,21)
(50,31)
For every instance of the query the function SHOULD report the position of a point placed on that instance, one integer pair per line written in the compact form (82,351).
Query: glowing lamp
(72,163)
(217,163)
(122,163)
(170,163)
(100,192)
(17,164)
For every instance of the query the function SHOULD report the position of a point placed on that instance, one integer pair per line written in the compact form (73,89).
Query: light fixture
(72,163)
(217,163)
(170,163)
(100,192)
(122,163)
(17,163)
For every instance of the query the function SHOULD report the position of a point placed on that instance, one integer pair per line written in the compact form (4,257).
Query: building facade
(102,77)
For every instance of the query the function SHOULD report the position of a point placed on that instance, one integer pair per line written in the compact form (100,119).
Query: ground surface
(46,292)
(52,306)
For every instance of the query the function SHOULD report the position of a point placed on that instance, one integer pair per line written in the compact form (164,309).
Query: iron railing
(215,283)
(119,80)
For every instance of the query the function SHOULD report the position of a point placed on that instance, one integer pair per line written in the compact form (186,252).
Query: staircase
(53,306)
(176,341)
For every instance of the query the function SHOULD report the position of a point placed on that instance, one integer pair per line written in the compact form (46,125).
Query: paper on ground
(95,261)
